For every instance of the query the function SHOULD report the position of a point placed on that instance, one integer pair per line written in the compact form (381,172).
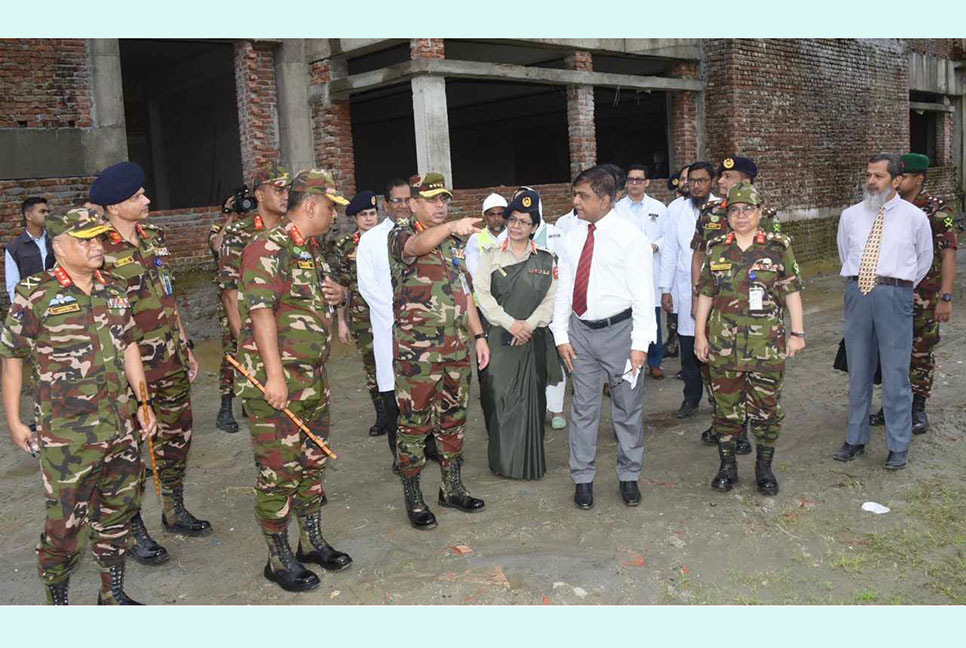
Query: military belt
(604,323)
(887,281)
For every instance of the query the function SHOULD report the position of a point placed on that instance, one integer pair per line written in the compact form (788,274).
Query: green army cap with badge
(744,192)
(80,223)
(429,185)
(914,163)
(274,174)
(318,181)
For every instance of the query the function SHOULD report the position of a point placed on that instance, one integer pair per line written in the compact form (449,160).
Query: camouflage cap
(318,181)
(273,173)
(80,223)
(915,163)
(429,185)
(744,192)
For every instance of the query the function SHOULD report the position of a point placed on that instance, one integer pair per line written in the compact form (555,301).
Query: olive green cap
(744,192)
(80,223)
(275,174)
(429,185)
(318,181)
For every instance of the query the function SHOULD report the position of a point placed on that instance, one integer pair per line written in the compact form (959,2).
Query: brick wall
(44,83)
(944,139)
(580,117)
(940,47)
(426,48)
(257,106)
(810,112)
(332,132)
(683,112)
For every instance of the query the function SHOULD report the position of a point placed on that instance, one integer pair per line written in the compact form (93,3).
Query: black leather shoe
(878,418)
(379,427)
(848,452)
(584,496)
(896,460)
(686,410)
(679,375)
(708,438)
(727,476)
(453,494)
(288,573)
(630,492)
(420,517)
(322,553)
(226,419)
(764,477)
(182,521)
(742,444)
(145,549)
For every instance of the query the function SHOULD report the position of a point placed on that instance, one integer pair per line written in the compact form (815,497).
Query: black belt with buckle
(887,281)
(604,323)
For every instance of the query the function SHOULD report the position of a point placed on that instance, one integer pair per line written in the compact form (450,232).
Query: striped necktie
(582,279)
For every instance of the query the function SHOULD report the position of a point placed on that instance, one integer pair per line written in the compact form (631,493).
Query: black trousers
(690,370)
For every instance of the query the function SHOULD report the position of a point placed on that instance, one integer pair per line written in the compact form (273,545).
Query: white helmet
(493,200)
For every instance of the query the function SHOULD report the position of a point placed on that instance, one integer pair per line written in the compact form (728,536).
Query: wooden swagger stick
(154,464)
(302,426)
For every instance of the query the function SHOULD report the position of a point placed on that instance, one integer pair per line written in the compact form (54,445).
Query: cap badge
(728,163)
(526,201)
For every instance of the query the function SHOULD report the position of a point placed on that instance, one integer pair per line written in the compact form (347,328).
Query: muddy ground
(684,544)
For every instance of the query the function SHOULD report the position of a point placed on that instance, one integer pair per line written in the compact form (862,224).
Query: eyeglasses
(636,180)
(699,181)
(747,210)
(441,199)
(521,222)
(396,201)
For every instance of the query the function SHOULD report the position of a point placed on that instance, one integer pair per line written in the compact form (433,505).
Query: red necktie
(582,280)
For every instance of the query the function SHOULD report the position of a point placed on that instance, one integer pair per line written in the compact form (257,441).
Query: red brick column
(683,117)
(580,117)
(944,139)
(257,105)
(426,48)
(332,130)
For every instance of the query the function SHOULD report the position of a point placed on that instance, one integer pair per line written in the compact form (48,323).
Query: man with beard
(678,183)
(493,207)
(885,245)
(675,284)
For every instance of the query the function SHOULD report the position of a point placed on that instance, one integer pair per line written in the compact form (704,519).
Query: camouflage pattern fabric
(172,407)
(430,300)
(89,459)
(925,334)
(237,236)
(713,222)
(226,373)
(357,310)
(747,395)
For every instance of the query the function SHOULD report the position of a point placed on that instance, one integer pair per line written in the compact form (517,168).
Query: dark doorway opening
(383,136)
(632,127)
(923,126)
(182,119)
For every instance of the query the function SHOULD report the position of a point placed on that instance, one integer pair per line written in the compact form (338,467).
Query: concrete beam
(45,153)
(431,121)
(930,107)
(500,72)
(109,142)
(294,114)
(932,74)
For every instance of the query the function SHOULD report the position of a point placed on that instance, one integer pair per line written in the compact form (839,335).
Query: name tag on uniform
(466,287)
(69,308)
(123,261)
(713,226)
(756,295)
(118,303)
(653,216)
(720,267)
(306,265)
(538,271)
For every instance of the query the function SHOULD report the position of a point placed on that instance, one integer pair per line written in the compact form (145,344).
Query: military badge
(728,163)
(526,201)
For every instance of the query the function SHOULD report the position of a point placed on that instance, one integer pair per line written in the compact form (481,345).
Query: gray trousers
(880,321)
(601,357)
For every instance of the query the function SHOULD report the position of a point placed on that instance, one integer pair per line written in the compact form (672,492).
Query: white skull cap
(494,200)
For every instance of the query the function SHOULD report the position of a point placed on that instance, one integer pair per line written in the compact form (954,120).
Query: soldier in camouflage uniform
(933,295)
(354,318)
(284,343)
(136,251)
(73,325)
(713,222)
(226,374)
(433,313)
(748,280)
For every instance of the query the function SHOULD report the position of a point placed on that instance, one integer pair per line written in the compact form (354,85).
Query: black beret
(738,163)
(117,183)
(361,202)
(674,181)
(526,202)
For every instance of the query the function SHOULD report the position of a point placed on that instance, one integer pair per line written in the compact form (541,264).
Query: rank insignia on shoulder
(61,310)
(720,267)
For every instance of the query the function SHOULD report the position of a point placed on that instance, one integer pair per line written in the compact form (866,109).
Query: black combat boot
(57,592)
(742,444)
(112,586)
(920,422)
(727,475)
(226,420)
(284,569)
(452,493)
(419,514)
(182,521)
(322,553)
(708,438)
(764,477)
(379,427)
(145,550)
(878,418)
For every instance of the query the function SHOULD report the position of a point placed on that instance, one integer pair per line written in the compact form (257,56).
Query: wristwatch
(798,334)
(946,297)
(190,344)
(480,336)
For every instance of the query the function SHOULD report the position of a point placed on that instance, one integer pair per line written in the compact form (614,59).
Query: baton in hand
(154,463)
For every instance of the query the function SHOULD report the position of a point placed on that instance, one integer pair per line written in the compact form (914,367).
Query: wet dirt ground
(684,544)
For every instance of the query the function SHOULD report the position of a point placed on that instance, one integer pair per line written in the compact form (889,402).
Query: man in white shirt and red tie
(603,324)
(885,245)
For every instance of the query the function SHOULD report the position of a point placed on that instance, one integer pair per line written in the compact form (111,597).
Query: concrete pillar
(580,117)
(294,114)
(431,122)
(161,197)
(107,142)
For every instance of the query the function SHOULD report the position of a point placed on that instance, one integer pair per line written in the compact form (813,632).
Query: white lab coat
(652,221)
(676,261)
(375,286)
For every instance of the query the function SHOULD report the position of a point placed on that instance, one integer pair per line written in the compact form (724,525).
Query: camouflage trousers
(747,395)
(925,337)
(361,331)
(91,485)
(172,407)
(226,375)
(290,465)
(706,379)
(432,399)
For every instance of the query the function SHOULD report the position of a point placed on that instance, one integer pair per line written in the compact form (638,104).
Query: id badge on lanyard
(756,296)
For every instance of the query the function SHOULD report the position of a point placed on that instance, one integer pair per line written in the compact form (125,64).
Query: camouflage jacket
(238,235)
(943,236)
(713,221)
(75,344)
(343,255)
(430,298)
(150,289)
(740,338)
(212,233)
(281,271)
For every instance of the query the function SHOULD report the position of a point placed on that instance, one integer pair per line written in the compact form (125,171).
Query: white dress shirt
(476,244)
(567,222)
(12,272)
(375,286)
(620,278)
(649,216)
(906,248)
(676,260)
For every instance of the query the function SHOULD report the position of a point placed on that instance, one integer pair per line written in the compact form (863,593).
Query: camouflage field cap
(318,181)
(744,192)
(275,174)
(429,185)
(80,223)
(914,163)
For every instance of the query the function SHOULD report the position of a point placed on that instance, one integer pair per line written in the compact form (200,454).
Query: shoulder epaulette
(720,238)
(782,239)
